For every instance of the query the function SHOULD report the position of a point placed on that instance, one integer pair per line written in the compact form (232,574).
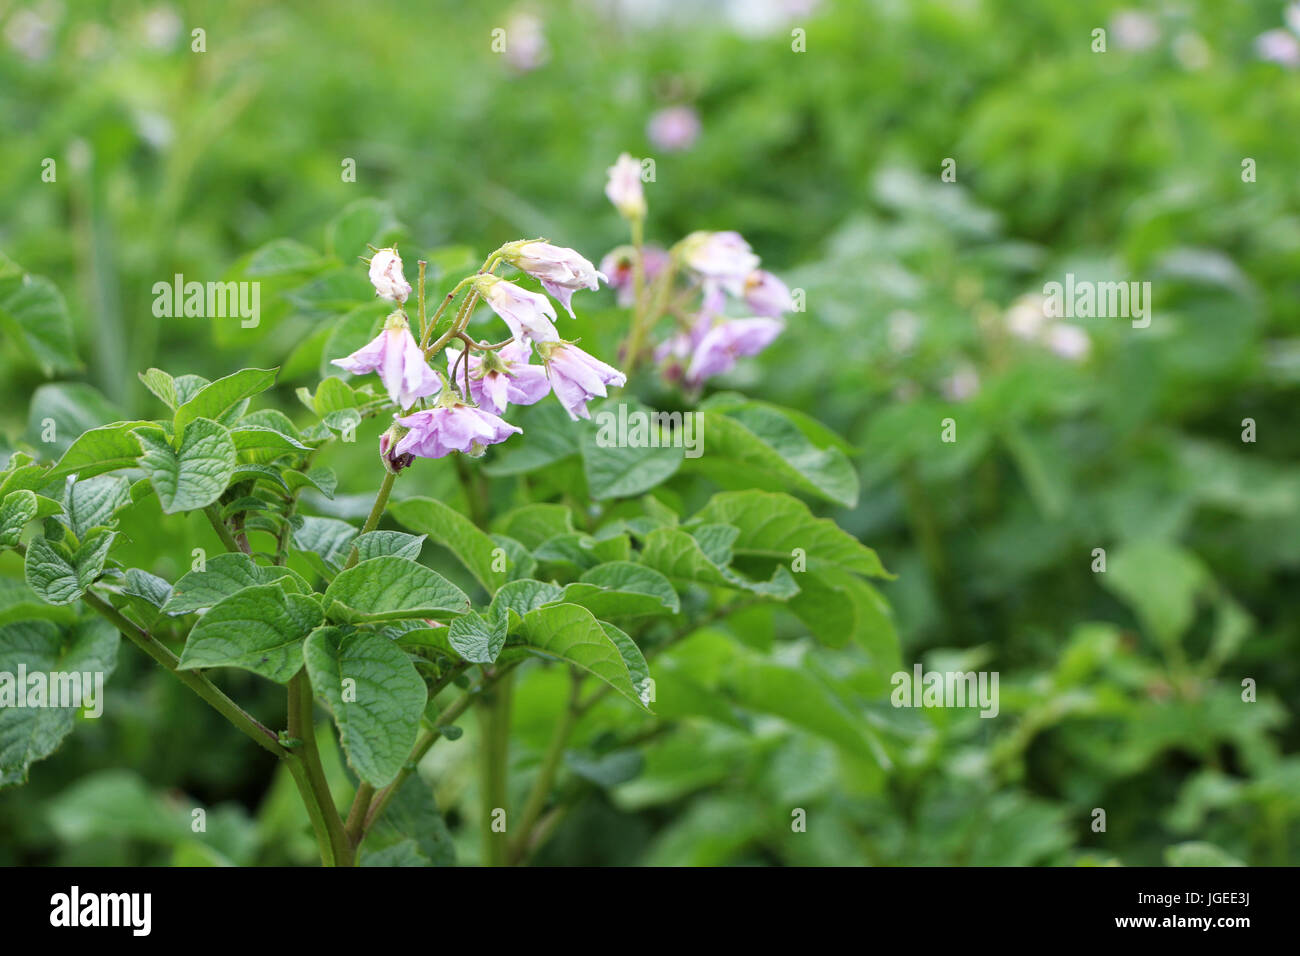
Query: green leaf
(1161,582)
(92,502)
(451,529)
(410,831)
(260,629)
(533,524)
(32,733)
(60,411)
(361,223)
(623,589)
(839,607)
(261,444)
(282,257)
(390,588)
(680,556)
(162,385)
(195,476)
(569,633)
(751,444)
(637,668)
(377,544)
(61,576)
(477,639)
(18,508)
(375,694)
(548,437)
(34,315)
(616,470)
(215,399)
(775,525)
(328,539)
(222,576)
(100,450)
(1199,853)
(525,595)
(322,479)
(18,603)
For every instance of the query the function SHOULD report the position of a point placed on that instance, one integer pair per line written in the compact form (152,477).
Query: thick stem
(312,784)
(222,530)
(495,755)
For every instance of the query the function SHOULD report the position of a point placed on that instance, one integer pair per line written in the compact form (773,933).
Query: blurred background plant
(1120,690)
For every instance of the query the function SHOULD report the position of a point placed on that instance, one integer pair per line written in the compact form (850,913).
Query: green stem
(550,765)
(428,737)
(223,532)
(312,783)
(195,680)
(376,512)
(495,754)
(355,825)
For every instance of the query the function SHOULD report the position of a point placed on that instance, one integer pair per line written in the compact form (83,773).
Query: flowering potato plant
(594,544)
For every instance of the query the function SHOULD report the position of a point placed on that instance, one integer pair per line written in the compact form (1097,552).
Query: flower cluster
(715,268)
(435,418)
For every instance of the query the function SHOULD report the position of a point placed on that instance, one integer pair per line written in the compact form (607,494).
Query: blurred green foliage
(1120,690)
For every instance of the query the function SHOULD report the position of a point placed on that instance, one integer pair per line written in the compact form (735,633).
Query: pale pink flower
(386,276)
(767,295)
(525,42)
(624,187)
(724,256)
(674,129)
(1134,30)
(528,314)
(961,385)
(399,360)
(577,377)
(619,266)
(561,271)
(1026,317)
(454,426)
(503,377)
(1278,46)
(727,340)
(1068,341)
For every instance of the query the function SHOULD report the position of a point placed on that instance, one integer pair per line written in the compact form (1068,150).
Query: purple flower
(454,426)
(728,340)
(619,266)
(724,256)
(503,377)
(624,188)
(674,129)
(528,314)
(386,276)
(577,377)
(767,295)
(561,271)
(394,354)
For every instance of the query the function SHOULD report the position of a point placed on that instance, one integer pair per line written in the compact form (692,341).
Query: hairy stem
(312,784)
(223,531)
(376,512)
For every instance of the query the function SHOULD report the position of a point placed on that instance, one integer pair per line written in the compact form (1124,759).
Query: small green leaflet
(197,474)
(260,629)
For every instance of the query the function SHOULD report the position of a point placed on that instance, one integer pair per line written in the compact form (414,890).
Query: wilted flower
(561,271)
(724,256)
(503,377)
(1278,46)
(387,450)
(386,276)
(398,359)
(728,340)
(452,426)
(620,269)
(577,377)
(674,129)
(766,294)
(1068,341)
(624,188)
(528,314)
